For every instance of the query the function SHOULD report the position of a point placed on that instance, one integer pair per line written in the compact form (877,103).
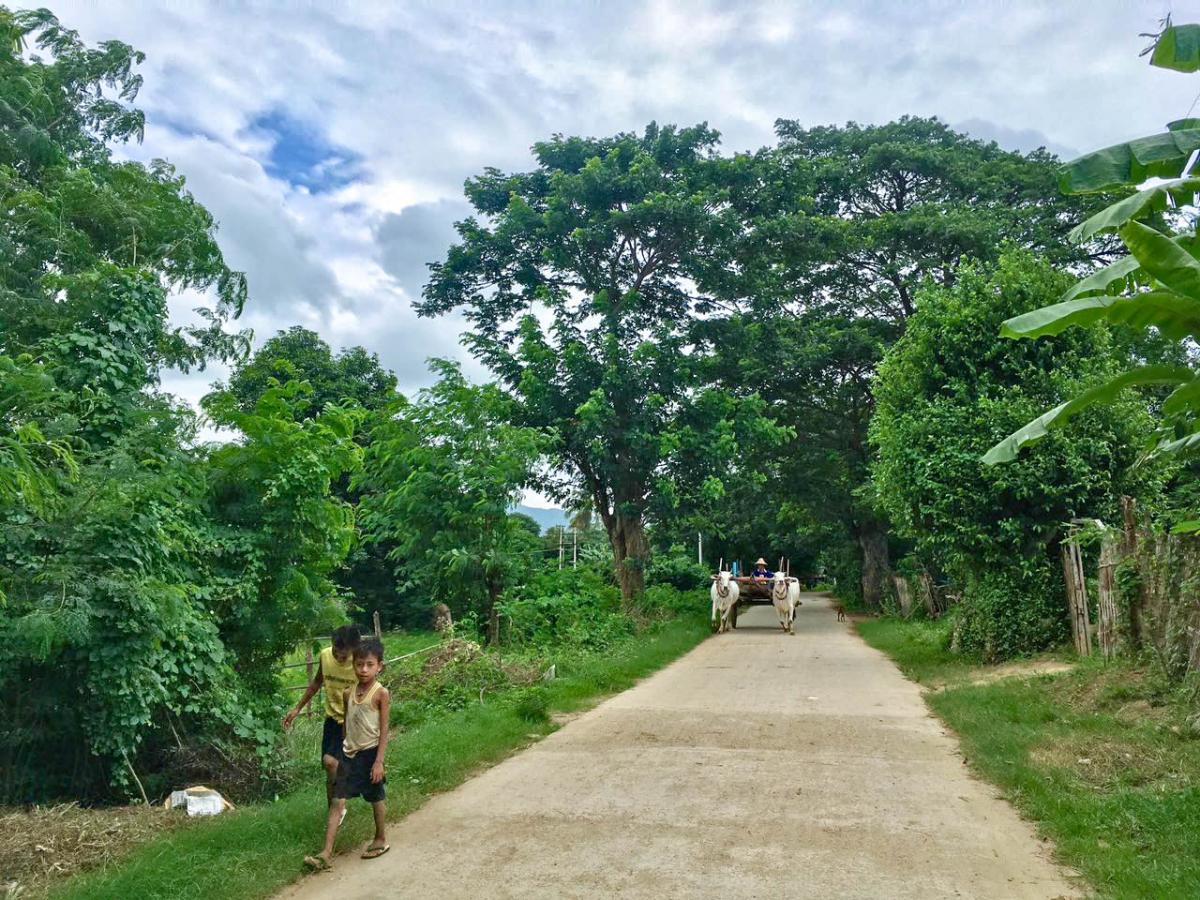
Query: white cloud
(415,98)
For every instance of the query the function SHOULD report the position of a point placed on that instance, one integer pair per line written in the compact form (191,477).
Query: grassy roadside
(1101,758)
(257,850)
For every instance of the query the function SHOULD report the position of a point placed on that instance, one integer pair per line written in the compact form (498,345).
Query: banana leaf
(1178,48)
(1163,259)
(1183,399)
(1174,315)
(1007,449)
(1101,280)
(1131,163)
(1152,199)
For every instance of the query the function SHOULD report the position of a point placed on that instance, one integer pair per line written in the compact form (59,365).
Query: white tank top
(362,722)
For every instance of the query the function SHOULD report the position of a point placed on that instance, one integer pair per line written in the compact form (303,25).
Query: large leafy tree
(134,568)
(580,279)
(67,207)
(298,353)
(351,376)
(441,476)
(278,527)
(945,390)
(846,224)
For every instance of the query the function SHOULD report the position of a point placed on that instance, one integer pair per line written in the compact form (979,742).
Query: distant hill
(546,518)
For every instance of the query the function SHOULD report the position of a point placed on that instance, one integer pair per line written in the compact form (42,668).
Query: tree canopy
(580,281)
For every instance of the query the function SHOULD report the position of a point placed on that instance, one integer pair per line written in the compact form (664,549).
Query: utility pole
(699,549)
(560,547)
(574,549)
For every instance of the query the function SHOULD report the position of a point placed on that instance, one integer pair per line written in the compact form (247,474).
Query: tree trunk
(876,566)
(630,552)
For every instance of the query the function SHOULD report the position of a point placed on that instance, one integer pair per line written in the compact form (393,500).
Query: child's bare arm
(384,703)
(313,687)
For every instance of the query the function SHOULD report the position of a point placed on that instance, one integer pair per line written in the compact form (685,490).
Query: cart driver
(760,571)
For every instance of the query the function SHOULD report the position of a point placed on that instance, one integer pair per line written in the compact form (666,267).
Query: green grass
(258,849)
(1101,758)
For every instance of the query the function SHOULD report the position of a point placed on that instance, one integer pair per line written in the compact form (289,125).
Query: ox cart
(751,592)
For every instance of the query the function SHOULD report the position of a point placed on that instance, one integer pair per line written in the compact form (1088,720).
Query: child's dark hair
(346,637)
(369,646)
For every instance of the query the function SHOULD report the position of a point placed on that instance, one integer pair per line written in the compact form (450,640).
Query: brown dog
(841,612)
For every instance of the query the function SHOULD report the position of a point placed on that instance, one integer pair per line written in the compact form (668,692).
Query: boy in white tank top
(360,769)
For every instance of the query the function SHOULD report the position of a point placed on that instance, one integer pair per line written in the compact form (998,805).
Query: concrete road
(759,765)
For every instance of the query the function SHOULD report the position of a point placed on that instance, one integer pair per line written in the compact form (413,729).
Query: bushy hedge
(680,572)
(578,607)
(1007,613)
(945,393)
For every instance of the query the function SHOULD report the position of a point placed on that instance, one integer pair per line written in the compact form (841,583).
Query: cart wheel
(733,615)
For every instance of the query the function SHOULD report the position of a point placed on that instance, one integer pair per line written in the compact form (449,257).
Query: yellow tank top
(362,722)
(337,677)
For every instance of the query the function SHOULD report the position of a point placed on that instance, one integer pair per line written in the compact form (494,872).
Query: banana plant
(1156,286)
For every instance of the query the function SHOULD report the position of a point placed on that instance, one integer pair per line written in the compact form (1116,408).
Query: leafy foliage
(279,531)
(67,208)
(440,478)
(845,224)
(147,586)
(352,377)
(298,354)
(1158,283)
(607,238)
(945,390)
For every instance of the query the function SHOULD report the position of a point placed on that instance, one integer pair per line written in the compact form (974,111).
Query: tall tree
(351,375)
(68,208)
(131,562)
(580,279)
(847,222)
(441,476)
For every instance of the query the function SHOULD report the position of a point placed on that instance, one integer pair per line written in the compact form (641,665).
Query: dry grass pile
(43,844)
(455,651)
(457,673)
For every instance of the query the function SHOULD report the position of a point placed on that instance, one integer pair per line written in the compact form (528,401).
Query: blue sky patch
(302,155)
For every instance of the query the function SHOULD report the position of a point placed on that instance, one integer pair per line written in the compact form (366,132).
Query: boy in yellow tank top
(335,673)
(360,770)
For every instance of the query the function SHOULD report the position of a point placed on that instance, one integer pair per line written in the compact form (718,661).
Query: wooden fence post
(1107,631)
(375,620)
(1076,596)
(928,596)
(903,594)
(1136,604)
(308,668)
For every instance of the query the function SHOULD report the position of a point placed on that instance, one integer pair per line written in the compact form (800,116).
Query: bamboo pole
(1077,597)
(1106,608)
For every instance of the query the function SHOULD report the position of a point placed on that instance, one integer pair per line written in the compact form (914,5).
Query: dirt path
(759,765)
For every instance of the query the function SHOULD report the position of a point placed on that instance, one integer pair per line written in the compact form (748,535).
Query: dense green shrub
(678,571)
(575,607)
(668,600)
(148,585)
(1007,613)
(945,393)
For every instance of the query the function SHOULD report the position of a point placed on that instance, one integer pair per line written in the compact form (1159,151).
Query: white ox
(785,595)
(724,597)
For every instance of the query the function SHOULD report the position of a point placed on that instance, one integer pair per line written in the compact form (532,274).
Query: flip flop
(376,852)
(317,863)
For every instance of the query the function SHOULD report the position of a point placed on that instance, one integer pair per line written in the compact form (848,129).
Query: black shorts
(354,777)
(331,738)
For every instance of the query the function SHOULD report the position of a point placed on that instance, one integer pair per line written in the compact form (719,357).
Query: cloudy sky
(331,139)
